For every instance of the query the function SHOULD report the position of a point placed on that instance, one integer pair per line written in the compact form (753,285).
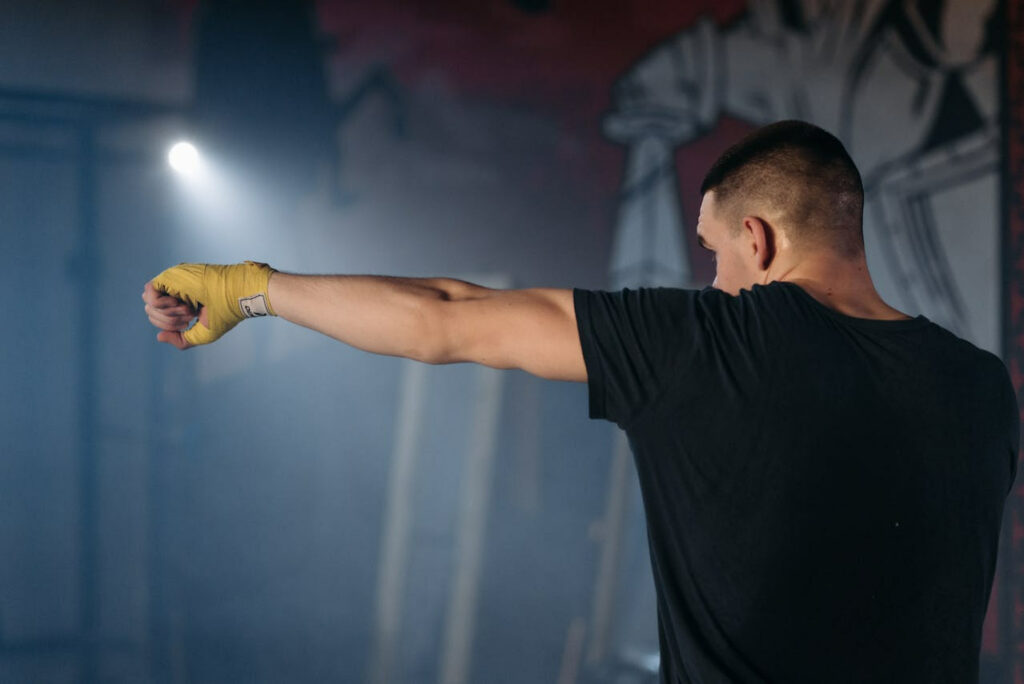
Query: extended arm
(434,320)
(439,320)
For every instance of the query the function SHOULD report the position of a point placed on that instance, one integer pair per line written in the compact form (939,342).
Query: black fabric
(823,493)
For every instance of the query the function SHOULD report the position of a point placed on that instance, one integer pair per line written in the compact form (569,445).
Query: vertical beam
(394,549)
(613,530)
(173,417)
(84,269)
(476,487)
(569,670)
(157,498)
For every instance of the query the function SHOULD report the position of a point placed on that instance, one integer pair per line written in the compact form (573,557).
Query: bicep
(533,330)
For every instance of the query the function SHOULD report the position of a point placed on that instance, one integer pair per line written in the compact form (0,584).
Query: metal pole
(394,548)
(84,270)
(476,487)
(613,530)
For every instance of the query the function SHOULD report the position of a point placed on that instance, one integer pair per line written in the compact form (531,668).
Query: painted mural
(910,88)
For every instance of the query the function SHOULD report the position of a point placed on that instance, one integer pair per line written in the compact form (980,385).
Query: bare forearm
(379,314)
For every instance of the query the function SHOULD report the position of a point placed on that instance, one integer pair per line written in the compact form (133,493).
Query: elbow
(438,349)
(449,335)
(432,356)
(432,344)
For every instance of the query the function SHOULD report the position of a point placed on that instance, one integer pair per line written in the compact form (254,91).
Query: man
(823,476)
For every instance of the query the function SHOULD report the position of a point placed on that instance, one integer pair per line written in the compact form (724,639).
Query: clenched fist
(221,296)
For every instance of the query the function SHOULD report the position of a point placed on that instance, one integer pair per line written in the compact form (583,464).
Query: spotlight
(184,158)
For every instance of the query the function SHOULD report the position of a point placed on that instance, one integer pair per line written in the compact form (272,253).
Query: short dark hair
(801,172)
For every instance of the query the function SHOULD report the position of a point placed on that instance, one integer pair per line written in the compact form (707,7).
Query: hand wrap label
(254,306)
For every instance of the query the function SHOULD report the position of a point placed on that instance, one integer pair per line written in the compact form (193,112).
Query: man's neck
(841,284)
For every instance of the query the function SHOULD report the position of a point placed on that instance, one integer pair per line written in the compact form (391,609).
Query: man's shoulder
(954,346)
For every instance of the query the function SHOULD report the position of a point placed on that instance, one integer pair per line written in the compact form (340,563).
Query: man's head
(788,189)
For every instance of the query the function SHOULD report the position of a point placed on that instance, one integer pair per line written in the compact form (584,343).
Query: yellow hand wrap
(229,293)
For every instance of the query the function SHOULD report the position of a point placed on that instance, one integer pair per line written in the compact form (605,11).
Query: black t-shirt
(823,493)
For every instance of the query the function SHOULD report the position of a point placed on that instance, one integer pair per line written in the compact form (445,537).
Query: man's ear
(762,240)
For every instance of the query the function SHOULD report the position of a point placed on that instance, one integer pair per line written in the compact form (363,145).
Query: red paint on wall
(561,64)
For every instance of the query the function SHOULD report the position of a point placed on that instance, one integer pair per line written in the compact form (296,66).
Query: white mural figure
(911,89)
(649,244)
(649,247)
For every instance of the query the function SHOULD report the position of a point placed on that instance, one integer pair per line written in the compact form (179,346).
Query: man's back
(823,493)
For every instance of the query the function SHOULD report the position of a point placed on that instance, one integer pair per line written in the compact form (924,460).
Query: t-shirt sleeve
(633,341)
